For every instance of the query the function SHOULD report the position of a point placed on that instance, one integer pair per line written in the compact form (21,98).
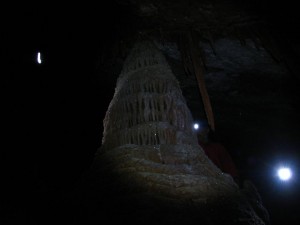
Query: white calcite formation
(148,141)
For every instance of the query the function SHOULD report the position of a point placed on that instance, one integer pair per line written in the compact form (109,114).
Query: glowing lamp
(38,59)
(284,173)
(196,126)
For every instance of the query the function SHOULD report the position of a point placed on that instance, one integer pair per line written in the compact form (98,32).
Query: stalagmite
(149,111)
(149,148)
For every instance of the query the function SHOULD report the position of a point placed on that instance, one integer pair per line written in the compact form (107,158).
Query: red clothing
(220,157)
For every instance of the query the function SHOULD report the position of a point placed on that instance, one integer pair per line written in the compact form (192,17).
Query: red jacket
(220,157)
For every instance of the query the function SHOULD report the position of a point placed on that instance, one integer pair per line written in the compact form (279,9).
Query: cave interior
(54,111)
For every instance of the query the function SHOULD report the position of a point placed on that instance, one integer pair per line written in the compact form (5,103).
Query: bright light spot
(39,60)
(196,126)
(284,173)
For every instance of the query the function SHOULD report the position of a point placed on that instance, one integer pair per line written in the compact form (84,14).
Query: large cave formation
(150,158)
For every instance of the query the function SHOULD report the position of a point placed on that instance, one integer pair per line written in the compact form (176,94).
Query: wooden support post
(199,73)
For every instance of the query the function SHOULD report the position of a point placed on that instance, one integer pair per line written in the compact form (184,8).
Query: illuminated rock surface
(150,158)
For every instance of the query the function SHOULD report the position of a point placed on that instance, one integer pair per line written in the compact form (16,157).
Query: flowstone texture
(150,154)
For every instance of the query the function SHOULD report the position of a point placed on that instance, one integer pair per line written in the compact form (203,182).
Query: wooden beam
(199,73)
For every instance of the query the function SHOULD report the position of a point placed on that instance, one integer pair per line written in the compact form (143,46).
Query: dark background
(53,112)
